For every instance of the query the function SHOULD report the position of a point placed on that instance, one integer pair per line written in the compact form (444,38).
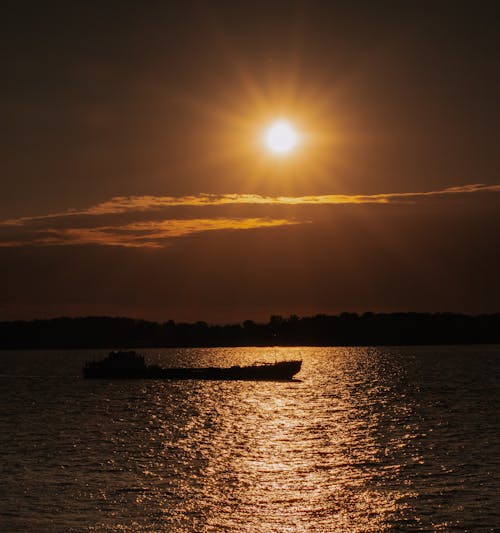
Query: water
(370,439)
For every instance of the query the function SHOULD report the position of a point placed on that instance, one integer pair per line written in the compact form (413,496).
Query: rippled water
(370,439)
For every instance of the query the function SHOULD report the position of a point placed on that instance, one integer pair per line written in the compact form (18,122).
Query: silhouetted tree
(320,330)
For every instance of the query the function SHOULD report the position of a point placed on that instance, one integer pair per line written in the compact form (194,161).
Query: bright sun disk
(281,137)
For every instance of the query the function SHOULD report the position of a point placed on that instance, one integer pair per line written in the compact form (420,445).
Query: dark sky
(134,181)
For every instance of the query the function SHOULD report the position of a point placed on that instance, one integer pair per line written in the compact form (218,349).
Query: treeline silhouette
(346,329)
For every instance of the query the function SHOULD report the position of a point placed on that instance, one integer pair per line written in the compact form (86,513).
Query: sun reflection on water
(280,456)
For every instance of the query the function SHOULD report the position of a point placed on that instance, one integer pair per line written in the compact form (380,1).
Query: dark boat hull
(129,365)
(278,371)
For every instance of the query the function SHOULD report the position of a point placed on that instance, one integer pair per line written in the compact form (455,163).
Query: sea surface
(368,439)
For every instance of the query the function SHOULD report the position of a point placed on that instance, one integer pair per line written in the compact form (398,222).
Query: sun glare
(280,137)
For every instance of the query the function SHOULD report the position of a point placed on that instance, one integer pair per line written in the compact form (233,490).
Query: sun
(281,137)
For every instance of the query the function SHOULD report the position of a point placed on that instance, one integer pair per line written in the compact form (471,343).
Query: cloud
(151,234)
(143,221)
(128,204)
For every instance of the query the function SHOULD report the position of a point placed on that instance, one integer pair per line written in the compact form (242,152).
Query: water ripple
(368,440)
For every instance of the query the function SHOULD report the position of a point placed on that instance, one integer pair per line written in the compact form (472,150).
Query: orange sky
(135,181)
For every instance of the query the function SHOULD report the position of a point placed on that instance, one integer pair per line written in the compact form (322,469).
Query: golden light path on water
(264,456)
(278,457)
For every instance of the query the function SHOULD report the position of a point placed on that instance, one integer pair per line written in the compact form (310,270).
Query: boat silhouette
(131,365)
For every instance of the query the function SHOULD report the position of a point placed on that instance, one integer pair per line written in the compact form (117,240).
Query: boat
(131,365)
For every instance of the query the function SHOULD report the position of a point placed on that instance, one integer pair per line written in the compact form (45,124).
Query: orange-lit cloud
(151,234)
(144,221)
(125,204)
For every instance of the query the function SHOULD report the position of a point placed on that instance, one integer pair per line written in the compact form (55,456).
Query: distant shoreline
(345,329)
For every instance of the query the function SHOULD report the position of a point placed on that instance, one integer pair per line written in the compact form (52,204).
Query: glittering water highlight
(369,439)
